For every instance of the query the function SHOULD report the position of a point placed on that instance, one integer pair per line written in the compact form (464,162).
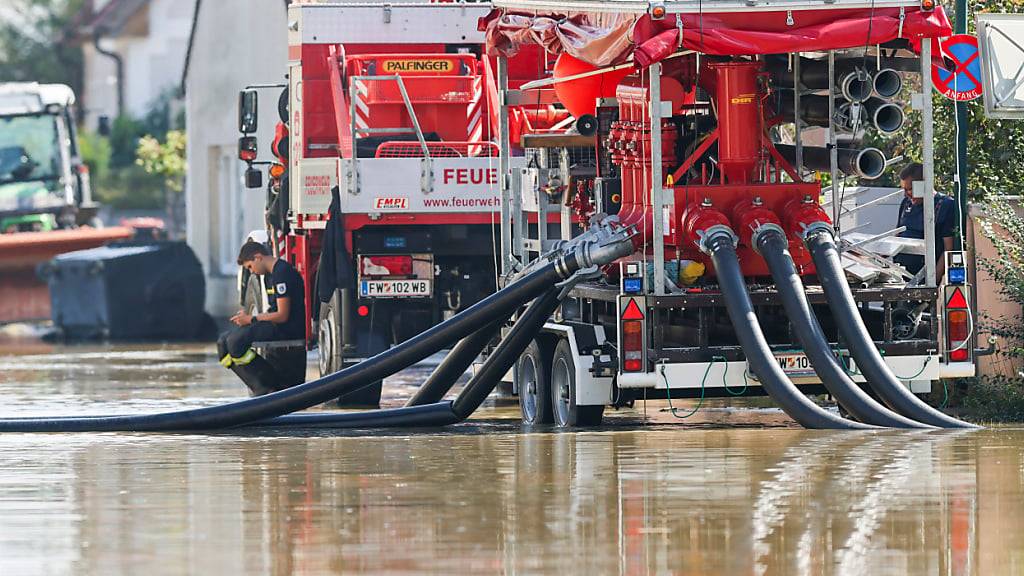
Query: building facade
(235,43)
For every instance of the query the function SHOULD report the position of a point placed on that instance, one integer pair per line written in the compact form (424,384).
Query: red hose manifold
(750,217)
(804,215)
(699,220)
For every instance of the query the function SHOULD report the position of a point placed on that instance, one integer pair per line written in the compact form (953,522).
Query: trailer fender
(583,340)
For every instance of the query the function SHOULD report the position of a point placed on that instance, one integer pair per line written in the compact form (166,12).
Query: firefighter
(284,321)
(912,216)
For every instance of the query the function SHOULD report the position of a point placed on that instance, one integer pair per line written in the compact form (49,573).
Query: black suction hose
(730,278)
(772,245)
(445,412)
(840,300)
(454,365)
(493,308)
(505,355)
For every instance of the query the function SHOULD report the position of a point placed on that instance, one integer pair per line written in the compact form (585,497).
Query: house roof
(110,20)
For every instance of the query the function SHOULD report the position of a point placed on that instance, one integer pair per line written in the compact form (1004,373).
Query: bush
(1002,397)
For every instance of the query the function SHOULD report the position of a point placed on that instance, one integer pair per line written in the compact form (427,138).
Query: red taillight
(958,325)
(632,345)
(386,265)
(363,310)
(247,155)
(959,355)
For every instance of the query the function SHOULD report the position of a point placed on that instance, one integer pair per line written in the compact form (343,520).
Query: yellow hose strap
(226,361)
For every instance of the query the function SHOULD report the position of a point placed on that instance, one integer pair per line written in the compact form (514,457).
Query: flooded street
(736,492)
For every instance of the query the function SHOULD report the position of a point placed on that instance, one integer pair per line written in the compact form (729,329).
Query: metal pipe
(887,83)
(118,69)
(867,163)
(851,326)
(721,246)
(772,245)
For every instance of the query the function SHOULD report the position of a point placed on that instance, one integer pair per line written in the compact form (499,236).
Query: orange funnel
(580,96)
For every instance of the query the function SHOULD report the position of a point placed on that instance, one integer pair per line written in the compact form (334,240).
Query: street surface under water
(735,491)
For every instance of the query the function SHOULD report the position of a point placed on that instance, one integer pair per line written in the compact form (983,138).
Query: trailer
(726,134)
(385,169)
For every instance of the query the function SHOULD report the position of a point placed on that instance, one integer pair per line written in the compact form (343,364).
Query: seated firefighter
(284,321)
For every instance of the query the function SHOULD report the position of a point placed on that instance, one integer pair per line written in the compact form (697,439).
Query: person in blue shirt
(912,216)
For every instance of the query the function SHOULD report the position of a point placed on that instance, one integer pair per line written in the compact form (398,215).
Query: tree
(33,42)
(995,147)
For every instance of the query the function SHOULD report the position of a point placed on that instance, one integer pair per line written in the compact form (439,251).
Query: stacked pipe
(866,94)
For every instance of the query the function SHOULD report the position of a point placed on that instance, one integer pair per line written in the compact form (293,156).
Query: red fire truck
(388,108)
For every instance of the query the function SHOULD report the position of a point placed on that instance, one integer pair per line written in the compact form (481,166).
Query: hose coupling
(807,230)
(760,231)
(714,233)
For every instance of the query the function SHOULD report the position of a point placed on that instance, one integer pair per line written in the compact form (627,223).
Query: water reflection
(485,498)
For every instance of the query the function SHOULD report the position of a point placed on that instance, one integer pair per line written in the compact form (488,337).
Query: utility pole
(963,169)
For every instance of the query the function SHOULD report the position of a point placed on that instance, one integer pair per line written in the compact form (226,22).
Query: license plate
(795,364)
(394,288)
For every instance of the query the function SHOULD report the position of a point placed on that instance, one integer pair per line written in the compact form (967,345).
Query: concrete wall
(237,42)
(153,48)
(990,303)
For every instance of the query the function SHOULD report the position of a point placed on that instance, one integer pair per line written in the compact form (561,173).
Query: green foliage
(32,45)
(166,159)
(995,148)
(995,399)
(1002,397)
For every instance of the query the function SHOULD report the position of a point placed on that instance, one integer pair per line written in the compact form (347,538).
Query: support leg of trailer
(503,166)
(927,153)
(657,181)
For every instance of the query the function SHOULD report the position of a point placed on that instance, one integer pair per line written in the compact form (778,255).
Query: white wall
(237,42)
(152,63)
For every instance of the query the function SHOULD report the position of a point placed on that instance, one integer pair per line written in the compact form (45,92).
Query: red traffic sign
(963,82)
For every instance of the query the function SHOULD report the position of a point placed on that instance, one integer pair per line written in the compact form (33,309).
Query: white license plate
(795,364)
(394,288)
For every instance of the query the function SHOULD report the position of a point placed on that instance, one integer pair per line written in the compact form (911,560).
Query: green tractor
(43,183)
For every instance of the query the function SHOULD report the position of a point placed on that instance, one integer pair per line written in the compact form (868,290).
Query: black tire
(329,336)
(563,392)
(533,384)
(252,299)
(282,106)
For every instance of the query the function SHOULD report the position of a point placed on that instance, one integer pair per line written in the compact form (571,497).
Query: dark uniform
(912,216)
(235,346)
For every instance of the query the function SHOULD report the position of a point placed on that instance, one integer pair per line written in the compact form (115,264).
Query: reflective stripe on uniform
(226,361)
(245,358)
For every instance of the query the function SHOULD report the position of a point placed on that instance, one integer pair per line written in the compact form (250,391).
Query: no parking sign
(963,83)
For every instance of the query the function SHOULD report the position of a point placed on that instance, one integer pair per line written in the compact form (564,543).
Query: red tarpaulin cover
(604,39)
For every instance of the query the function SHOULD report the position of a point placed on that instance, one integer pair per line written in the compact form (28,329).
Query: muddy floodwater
(731,491)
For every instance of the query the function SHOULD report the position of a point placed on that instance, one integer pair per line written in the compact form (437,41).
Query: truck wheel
(329,336)
(252,300)
(563,392)
(531,375)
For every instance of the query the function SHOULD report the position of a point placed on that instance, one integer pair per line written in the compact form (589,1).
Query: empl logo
(394,203)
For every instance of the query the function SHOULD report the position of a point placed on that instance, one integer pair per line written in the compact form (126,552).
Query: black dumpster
(153,290)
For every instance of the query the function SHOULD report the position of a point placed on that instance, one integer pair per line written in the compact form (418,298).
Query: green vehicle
(43,183)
